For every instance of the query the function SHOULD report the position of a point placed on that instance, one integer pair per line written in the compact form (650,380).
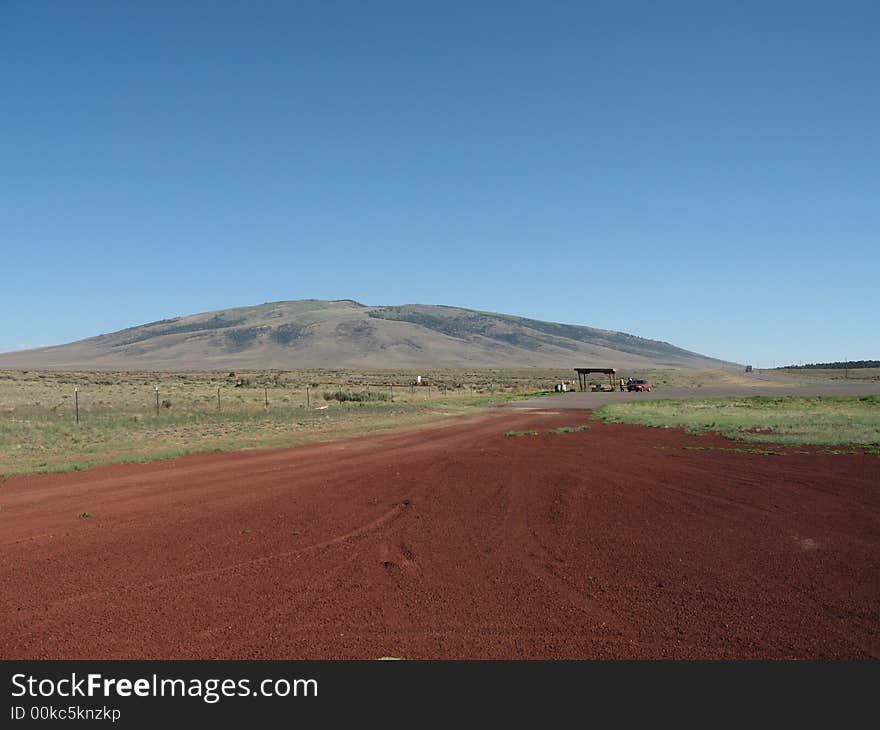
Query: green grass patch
(527,396)
(521,433)
(119,424)
(787,420)
(570,429)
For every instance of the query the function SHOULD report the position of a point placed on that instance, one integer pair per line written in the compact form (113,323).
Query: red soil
(453,542)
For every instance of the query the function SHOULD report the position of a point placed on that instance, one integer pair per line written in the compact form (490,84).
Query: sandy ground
(450,542)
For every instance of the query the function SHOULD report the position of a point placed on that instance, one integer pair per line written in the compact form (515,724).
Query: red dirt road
(451,542)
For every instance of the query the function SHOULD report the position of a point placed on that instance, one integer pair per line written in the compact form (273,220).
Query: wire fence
(81,402)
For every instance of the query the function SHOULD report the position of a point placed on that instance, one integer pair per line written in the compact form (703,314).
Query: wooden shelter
(584,372)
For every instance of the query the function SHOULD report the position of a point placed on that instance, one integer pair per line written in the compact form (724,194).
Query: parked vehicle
(639,386)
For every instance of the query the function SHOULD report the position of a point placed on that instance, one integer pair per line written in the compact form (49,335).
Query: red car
(639,385)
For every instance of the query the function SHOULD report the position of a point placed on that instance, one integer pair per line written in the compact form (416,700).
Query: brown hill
(314,334)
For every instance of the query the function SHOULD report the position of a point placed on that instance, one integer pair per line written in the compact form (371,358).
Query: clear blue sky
(704,173)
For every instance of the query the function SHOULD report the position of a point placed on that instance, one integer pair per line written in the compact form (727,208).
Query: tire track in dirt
(450,542)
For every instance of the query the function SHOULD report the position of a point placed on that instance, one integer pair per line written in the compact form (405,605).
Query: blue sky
(702,173)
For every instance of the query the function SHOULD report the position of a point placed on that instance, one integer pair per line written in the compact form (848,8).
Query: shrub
(357,396)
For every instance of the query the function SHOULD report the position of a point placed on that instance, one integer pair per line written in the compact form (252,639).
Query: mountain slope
(313,333)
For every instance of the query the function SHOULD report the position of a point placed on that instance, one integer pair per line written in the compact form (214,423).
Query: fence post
(76,402)
(267,397)
(218,397)
(157,400)
(308,399)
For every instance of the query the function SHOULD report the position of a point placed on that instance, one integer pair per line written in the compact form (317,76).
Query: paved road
(767,387)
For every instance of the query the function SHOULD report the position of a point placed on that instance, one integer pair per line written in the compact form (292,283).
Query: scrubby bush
(357,396)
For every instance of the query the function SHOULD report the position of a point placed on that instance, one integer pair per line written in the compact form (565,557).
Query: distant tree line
(848,364)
